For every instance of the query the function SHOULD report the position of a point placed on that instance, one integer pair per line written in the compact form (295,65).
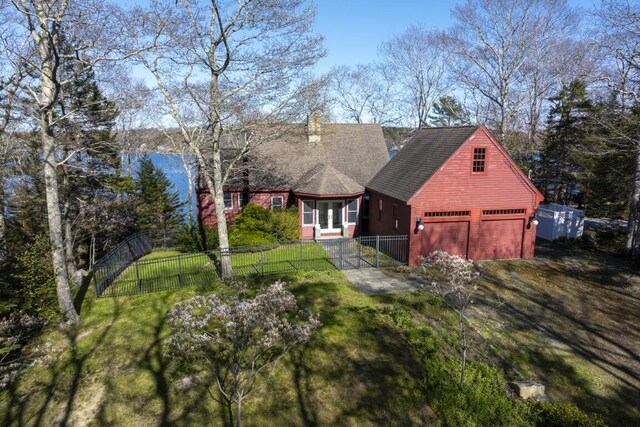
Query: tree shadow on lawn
(57,386)
(587,325)
(355,370)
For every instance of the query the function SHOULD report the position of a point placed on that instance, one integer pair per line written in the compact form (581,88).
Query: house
(321,168)
(455,189)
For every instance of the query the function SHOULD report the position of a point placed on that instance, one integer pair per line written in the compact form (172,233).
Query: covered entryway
(330,216)
(452,237)
(500,239)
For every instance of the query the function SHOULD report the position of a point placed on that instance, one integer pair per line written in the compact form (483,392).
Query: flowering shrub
(230,341)
(454,279)
(15,330)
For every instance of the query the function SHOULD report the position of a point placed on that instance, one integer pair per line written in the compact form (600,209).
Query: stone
(528,389)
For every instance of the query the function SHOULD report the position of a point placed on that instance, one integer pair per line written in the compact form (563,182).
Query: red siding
(207,210)
(455,188)
(385,226)
(500,239)
(452,237)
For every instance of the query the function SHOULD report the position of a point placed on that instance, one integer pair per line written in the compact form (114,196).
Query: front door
(330,216)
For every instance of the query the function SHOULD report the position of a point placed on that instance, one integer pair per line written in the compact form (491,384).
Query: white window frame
(227,208)
(281,202)
(346,210)
(312,204)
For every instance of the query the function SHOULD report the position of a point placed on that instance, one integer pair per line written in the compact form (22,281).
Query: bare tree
(225,70)
(418,61)
(619,39)
(500,46)
(364,93)
(456,281)
(89,26)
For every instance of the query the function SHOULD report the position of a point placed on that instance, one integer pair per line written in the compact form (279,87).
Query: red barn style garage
(463,190)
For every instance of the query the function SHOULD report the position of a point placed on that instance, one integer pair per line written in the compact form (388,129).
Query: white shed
(556,220)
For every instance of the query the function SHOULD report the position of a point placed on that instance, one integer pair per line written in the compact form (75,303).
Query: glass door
(323,215)
(330,215)
(336,217)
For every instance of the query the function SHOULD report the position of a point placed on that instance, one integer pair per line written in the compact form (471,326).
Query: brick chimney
(313,128)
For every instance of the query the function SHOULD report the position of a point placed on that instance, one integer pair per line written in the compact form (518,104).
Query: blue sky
(354,29)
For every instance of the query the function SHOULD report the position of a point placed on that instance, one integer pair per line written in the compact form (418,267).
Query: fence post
(261,260)
(358,251)
(138,278)
(179,272)
(377,251)
(340,252)
(300,266)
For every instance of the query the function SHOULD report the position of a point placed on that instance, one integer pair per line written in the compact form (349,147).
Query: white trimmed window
(352,211)
(307,212)
(365,206)
(395,217)
(277,202)
(228,199)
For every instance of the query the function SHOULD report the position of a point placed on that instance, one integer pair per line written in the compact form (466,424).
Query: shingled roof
(418,160)
(345,159)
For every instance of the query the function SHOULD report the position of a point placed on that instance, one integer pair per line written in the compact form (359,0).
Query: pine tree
(566,144)
(158,205)
(448,111)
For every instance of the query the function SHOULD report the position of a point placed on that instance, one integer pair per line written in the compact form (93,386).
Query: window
(228,199)
(380,210)
(244,199)
(479,157)
(276,202)
(447,213)
(504,212)
(365,206)
(307,212)
(395,217)
(352,211)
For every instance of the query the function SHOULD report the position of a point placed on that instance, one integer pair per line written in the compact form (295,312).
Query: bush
(258,226)
(189,239)
(34,272)
(284,224)
(559,414)
(16,330)
(481,402)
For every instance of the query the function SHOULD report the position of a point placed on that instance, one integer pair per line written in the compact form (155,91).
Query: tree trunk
(239,410)
(54,217)
(631,248)
(463,349)
(49,93)
(3,226)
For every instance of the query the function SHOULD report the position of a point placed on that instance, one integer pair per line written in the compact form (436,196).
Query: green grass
(163,270)
(357,370)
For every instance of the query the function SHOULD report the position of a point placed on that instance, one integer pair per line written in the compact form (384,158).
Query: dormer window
(479,158)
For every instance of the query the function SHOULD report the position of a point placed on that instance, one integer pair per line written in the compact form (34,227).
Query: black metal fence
(164,273)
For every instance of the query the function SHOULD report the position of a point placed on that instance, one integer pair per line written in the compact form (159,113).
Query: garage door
(500,239)
(448,236)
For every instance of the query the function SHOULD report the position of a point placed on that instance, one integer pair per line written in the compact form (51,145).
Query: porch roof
(324,179)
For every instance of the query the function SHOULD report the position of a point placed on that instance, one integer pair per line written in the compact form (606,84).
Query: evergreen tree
(448,111)
(566,145)
(158,205)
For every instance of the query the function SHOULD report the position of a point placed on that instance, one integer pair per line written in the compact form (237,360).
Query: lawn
(163,270)
(358,369)
(570,318)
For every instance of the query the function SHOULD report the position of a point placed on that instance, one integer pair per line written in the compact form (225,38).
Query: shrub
(481,402)
(251,227)
(189,239)
(34,272)
(284,224)
(15,331)
(560,414)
